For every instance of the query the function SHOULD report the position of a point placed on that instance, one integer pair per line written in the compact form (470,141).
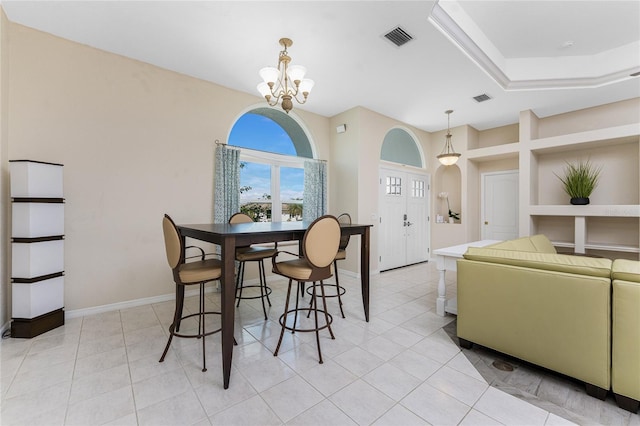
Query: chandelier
(448,156)
(284,83)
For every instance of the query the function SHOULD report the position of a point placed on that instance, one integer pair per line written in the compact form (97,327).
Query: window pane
(291,190)
(417,188)
(255,191)
(256,131)
(394,185)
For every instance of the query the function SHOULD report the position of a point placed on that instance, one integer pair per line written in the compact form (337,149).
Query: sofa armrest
(626,270)
(625,362)
(536,243)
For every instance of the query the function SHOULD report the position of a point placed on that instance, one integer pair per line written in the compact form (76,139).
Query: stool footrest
(339,290)
(266,293)
(305,330)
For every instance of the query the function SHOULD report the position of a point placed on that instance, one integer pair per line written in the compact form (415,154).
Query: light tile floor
(402,368)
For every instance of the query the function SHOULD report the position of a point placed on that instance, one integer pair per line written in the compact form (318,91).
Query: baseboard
(27,328)
(75,313)
(131,303)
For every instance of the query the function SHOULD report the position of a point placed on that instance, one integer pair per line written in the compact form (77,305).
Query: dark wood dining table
(229,236)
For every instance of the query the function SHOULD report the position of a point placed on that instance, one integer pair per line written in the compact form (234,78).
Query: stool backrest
(344,218)
(172,242)
(321,241)
(240,218)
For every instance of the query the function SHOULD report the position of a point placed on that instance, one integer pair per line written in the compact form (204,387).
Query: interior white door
(500,205)
(403,231)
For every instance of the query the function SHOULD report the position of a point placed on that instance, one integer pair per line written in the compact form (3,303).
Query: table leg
(364,270)
(442,292)
(228,305)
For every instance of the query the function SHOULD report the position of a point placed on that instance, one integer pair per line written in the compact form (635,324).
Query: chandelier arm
(287,88)
(295,96)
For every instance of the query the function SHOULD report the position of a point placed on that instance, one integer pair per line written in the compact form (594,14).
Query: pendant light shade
(448,156)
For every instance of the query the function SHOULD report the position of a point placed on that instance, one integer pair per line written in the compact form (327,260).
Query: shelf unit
(37,247)
(616,149)
(611,223)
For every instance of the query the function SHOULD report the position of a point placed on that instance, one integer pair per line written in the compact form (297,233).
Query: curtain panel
(315,190)
(226,193)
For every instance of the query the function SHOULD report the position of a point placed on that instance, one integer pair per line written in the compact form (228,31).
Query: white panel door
(403,232)
(500,205)
(417,223)
(391,234)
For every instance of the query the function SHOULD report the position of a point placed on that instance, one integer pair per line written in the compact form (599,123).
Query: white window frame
(275,161)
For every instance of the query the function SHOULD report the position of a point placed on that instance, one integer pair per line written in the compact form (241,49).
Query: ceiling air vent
(398,36)
(482,98)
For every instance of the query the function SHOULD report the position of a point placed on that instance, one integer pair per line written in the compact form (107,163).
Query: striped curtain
(315,190)
(226,193)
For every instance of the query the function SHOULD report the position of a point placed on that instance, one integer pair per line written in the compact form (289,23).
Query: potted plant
(579,181)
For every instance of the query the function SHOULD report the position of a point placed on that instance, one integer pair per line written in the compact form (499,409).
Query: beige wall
(5,298)
(608,115)
(136,141)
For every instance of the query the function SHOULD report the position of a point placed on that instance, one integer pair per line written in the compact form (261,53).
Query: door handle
(409,223)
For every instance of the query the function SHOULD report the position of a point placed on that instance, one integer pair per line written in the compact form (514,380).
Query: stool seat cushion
(300,270)
(341,255)
(246,254)
(196,272)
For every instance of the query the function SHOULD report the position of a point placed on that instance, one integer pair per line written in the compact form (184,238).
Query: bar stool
(319,247)
(188,273)
(345,219)
(252,254)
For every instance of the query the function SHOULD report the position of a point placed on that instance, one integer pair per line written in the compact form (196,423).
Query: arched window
(273,148)
(400,147)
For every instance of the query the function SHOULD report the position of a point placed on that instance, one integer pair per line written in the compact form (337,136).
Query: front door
(404,218)
(500,205)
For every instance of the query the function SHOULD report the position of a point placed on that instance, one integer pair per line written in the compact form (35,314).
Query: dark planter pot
(580,201)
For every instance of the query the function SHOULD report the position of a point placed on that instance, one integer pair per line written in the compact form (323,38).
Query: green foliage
(258,212)
(580,179)
(295,211)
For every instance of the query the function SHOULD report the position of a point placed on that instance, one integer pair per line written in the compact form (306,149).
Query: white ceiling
(519,51)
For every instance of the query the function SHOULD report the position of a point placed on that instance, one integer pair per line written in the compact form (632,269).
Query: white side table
(446,259)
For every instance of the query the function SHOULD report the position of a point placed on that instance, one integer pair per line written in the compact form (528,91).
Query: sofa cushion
(627,270)
(535,243)
(547,261)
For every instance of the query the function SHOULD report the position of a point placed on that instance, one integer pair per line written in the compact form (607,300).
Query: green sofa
(625,360)
(521,298)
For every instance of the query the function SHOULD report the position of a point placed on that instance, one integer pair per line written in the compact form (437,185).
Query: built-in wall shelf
(611,228)
(589,210)
(497,152)
(589,139)
(607,135)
